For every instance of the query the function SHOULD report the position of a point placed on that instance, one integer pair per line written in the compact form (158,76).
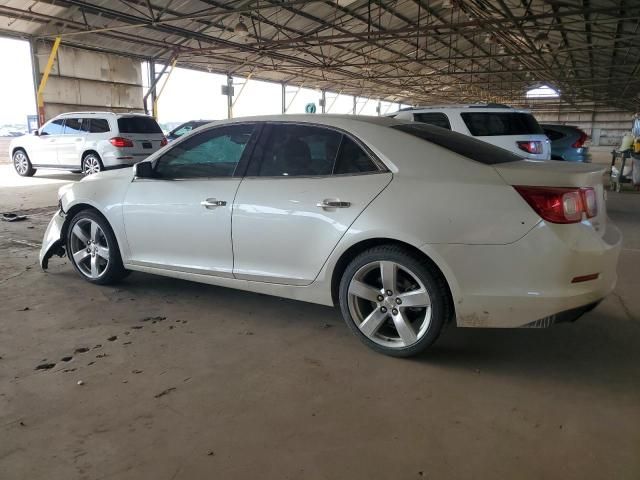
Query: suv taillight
(581,140)
(120,142)
(532,146)
(164,141)
(560,205)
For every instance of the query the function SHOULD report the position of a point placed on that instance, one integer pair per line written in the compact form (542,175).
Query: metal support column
(355,103)
(43,81)
(379,109)
(35,71)
(323,101)
(284,98)
(152,83)
(229,96)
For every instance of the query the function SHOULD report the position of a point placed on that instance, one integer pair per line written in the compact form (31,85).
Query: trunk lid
(559,174)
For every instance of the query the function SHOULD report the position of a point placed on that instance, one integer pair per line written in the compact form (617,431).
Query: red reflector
(581,140)
(533,146)
(164,141)
(585,278)
(120,142)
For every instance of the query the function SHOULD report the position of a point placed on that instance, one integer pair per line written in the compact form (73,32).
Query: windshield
(477,150)
(138,125)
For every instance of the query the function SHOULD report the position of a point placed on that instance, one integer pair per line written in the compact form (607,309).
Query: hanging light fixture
(241,29)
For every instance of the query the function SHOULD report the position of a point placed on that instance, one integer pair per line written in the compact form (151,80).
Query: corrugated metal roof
(414,51)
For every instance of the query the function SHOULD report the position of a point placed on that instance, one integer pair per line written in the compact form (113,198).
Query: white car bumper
(532,282)
(52,244)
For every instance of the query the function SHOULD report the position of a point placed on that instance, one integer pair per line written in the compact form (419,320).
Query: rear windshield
(138,125)
(489,124)
(464,145)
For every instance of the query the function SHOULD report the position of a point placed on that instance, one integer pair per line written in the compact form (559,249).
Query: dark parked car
(567,143)
(185,128)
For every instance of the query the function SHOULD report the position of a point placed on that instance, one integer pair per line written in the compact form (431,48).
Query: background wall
(85,80)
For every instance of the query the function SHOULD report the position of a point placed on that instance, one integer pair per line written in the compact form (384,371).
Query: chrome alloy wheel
(389,304)
(21,162)
(89,248)
(91,165)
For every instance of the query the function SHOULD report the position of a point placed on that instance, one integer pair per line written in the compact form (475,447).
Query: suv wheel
(91,164)
(394,301)
(22,164)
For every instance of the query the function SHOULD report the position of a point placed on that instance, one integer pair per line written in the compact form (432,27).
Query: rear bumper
(519,284)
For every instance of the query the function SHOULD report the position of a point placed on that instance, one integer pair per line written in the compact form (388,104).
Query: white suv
(503,126)
(87,142)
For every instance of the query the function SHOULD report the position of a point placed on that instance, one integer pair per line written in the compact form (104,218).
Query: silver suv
(87,142)
(514,130)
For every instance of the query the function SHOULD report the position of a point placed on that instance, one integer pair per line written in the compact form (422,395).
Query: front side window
(298,150)
(73,126)
(53,128)
(95,125)
(489,124)
(213,153)
(433,118)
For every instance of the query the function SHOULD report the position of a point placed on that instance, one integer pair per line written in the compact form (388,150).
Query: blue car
(567,143)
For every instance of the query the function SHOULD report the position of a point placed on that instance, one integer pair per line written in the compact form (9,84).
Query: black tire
(91,163)
(114,270)
(425,272)
(19,157)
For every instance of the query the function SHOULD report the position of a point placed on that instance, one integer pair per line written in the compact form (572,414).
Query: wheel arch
(354,250)
(16,148)
(79,207)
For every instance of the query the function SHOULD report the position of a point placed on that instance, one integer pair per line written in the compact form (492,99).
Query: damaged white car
(404,226)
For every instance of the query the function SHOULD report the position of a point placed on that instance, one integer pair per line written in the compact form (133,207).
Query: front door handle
(213,203)
(327,203)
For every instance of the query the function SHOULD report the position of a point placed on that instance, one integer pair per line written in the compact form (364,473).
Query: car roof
(112,114)
(321,119)
(476,107)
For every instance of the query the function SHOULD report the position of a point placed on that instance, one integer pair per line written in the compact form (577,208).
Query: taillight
(560,205)
(533,146)
(581,140)
(164,141)
(120,142)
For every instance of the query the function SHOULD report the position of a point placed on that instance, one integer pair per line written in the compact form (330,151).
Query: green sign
(310,108)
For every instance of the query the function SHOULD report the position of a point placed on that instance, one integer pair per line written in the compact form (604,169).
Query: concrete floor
(186,381)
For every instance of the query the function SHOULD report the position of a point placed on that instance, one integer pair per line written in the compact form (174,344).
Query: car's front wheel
(91,164)
(394,301)
(93,249)
(22,164)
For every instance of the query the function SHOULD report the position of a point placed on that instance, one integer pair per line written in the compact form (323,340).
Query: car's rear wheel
(93,249)
(22,164)
(91,164)
(394,301)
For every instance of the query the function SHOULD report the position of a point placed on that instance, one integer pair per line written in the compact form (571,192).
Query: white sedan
(405,226)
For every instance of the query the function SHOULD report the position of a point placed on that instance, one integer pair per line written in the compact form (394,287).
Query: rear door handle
(327,203)
(213,203)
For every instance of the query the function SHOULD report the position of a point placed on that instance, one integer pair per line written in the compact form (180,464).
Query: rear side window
(433,118)
(464,145)
(352,159)
(490,124)
(298,150)
(95,125)
(72,126)
(553,134)
(138,125)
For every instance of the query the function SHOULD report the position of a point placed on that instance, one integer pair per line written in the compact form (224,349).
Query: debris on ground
(23,309)
(137,327)
(211,453)
(136,371)
(80,382)
(68,358)
(45,366)
(81,350)
(153,319)
(12,217)
(112,338)
(164,392)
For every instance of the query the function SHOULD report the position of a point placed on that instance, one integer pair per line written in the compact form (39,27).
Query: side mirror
(143,170)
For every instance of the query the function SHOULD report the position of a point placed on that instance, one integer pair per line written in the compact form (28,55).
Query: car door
(69,144)
(43,151)
(305,186)
(181,218)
